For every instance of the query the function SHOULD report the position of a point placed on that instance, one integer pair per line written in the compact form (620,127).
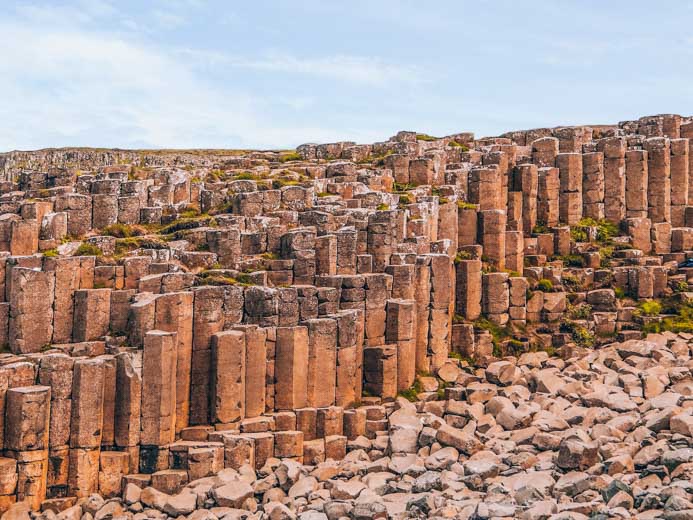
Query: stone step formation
(422,327)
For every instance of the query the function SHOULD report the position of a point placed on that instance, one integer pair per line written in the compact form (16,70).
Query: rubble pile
(399,328)
(604,435)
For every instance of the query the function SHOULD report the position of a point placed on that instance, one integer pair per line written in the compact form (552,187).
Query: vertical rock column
(636,184)
(378,288)
(26,440)
(468,289)
(299,246)
(78,209)
(467,226)
(422,295)
(614,150)
(659,179)
(381,237)
(687,133)
(492,236)
(486,187)
(496,297)
(380,371)
(71,274)
(679,181)
(447,225)
(548,197)
(158,419)
(349,357)
(570,177)
(593,185)
(322,362)
(92,314)
(544,151)
(526,177)
(501,160)
(228,377)
(255,369)
(291,368)
(56,371)
(400,329)
(128,405)
(518,299)
(174,313)
(326,255)
(440,318)
(208,319)
(31,295)
(347,239)
(86,426)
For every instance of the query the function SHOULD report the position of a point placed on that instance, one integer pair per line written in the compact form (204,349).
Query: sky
(277,73)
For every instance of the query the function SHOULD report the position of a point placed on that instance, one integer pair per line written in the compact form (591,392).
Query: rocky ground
(604,435)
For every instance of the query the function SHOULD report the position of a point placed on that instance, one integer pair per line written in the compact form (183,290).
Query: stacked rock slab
(167,315)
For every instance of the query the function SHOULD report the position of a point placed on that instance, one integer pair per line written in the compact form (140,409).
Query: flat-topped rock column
(228,376)
(614,150)
(679,181)
(27,418)
(400,330)
(291,368)
(570,178)
(636,183)
(593,185)
(31,315)
(659,179)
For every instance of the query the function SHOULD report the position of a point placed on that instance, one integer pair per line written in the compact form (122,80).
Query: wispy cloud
(363,70)
(83,87)
(356,69)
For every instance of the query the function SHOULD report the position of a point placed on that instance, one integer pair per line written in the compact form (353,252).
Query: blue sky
(275,74)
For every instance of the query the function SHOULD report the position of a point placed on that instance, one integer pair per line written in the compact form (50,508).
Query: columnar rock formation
(166,315)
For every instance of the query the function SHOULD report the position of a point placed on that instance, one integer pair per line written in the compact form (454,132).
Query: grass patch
(51,253)
(412,393)
(246,176)
(291,156)
(680,286)
(545,285)
(579,312)
(187,223)
(540,228)
(123,231)
(379,160)
(425,137)
(404,200)
(455,144)
(579,334)
(465,205)
(383,207)
(573,260)
(281,182)
(606,230)
(499,333)
(223,278)
(88,250)
(400,187)
(125,245)
(462,255)
(650,308)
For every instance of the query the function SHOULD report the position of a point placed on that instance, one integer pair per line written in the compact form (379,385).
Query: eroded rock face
(570,456)
(208,332)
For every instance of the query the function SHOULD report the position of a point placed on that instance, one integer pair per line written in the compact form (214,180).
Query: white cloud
(65,84)
(359,70)
(355,69)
